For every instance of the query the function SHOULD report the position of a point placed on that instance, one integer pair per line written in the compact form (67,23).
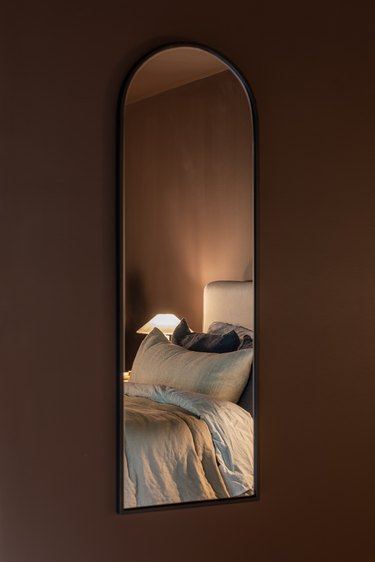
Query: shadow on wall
(248,273)
(136,309)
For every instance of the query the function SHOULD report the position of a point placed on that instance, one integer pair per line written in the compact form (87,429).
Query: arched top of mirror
(175,66)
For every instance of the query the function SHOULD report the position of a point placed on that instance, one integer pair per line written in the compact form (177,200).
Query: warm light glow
(165,322)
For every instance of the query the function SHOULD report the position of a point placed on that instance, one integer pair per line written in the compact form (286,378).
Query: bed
(188,424)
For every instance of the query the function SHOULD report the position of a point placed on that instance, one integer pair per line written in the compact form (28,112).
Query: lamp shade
(165,322)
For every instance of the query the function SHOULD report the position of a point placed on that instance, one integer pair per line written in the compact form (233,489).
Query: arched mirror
(187,282)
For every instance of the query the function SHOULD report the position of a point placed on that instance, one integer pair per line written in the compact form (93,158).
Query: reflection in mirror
(187,314)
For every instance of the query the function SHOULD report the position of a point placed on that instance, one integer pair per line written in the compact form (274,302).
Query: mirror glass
(187,282)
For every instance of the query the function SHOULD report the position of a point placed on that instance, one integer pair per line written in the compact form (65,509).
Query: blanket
(182,446)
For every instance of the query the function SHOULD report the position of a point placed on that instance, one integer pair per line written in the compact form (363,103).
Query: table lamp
(165,322)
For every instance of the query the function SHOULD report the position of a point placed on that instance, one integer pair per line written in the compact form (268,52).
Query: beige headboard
(229,301)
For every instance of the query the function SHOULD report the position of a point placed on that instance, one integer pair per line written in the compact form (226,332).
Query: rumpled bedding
(182,446)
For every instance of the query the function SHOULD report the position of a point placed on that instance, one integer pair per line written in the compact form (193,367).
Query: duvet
(183,446)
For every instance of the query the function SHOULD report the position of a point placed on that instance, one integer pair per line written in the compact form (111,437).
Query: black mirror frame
(120,300)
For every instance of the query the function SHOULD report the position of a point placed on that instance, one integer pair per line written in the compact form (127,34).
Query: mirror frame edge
(120,279)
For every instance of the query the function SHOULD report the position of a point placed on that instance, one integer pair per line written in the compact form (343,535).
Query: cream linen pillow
(221,375)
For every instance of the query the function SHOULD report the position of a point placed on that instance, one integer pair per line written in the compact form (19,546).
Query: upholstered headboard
(232,302)
(229,301)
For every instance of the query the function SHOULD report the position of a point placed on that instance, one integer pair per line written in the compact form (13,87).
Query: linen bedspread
(184,446)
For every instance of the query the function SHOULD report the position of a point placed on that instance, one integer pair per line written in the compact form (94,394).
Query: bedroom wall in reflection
(187,282)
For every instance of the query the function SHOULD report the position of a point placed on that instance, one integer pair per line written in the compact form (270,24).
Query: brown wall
(311,69)
(188,199)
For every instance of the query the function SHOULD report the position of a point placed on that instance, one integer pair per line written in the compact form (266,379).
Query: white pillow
(221,375)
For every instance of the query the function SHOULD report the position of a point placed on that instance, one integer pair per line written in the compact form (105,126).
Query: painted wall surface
(311,69)
(188,199)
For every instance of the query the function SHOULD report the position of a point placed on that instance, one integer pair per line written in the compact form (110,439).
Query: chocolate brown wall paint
(188,199)
(311,69)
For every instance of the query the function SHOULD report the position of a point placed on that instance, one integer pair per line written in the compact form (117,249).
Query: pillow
(245,334)
(246,342)
(209,343)
(220,375)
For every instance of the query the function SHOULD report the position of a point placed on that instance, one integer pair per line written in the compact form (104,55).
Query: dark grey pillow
(208,343)
(246,342)
(245,334)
